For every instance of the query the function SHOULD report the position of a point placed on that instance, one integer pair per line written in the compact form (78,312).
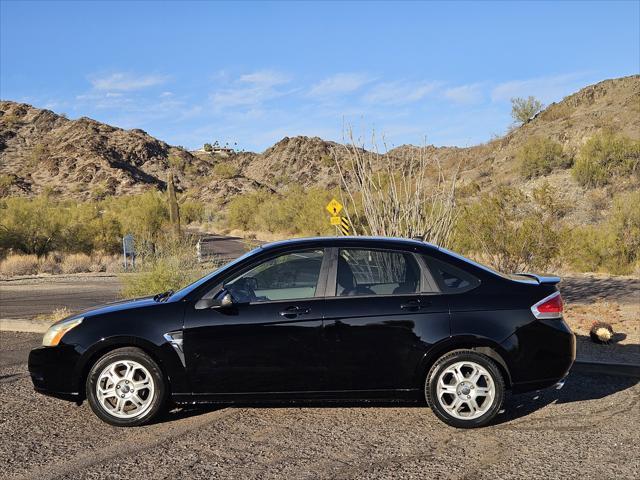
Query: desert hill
(42,151)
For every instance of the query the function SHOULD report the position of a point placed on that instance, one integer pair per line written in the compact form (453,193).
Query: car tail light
(548,307)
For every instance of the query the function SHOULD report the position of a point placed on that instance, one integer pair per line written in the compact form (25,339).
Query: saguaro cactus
(174,209)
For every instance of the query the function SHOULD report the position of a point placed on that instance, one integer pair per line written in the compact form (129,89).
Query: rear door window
(376,272)
(451,279)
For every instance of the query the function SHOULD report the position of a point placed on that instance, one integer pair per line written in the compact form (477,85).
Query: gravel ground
(587,430)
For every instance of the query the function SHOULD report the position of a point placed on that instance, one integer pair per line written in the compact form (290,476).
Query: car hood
(120,305)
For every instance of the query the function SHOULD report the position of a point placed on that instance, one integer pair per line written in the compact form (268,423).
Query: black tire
(446,361)
(156,403)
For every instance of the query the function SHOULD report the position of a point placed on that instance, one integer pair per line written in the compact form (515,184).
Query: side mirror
(225,301)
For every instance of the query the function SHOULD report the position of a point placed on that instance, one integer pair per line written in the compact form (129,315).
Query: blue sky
(251,73)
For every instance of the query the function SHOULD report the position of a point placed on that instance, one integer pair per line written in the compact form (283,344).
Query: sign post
(334,207)
(128,250)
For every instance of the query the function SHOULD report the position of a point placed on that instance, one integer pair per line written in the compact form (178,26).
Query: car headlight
(57,331)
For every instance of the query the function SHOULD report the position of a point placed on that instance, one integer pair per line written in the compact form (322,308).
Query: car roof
(348,240)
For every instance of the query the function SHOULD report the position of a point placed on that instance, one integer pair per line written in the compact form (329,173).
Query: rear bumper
(542,354)
(52,371)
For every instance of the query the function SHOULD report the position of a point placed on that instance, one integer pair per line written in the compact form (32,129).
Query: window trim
(332,279)
(320,287)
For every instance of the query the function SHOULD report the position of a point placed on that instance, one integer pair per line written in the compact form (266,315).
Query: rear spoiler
(550,280)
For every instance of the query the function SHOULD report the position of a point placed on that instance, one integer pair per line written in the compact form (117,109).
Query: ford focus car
(319,318)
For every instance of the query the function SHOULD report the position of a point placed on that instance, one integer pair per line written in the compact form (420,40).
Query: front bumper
(52,371)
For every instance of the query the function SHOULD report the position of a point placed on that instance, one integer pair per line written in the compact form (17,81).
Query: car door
(269,339)
(384,313)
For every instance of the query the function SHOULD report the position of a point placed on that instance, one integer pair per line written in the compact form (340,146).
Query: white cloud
(547,89)
(265,78)
(126,81)
(464,94)
(250,90)
(338,84)
(398,93)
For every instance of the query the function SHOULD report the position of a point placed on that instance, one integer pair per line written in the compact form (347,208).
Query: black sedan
(319,318)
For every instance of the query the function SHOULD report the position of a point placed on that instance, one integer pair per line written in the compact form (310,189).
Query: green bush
(297,211)
(524,109)
(540,156)
(606,156)
(172,267)
(509,231)
(613,246)
(225,170)
(192,211)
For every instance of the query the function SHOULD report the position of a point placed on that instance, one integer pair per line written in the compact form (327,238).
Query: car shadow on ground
(578,387)
(591,289)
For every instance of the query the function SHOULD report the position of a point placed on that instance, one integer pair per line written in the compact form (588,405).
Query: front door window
(292,276)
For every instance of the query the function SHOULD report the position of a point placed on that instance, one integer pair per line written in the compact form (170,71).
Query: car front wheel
(126,387)
(465,389)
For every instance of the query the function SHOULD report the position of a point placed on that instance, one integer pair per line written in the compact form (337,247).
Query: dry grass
(76,263)
(55,263)
(15,265)
(55,316)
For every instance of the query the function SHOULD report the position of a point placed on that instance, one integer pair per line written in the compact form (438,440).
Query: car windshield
(189,288)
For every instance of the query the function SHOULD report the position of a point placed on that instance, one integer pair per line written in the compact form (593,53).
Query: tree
(207,147)
(524,109)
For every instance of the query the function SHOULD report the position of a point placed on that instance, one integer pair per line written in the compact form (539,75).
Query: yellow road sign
(336,220)
(334,207)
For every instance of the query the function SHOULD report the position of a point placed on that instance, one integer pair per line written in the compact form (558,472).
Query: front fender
(162,353)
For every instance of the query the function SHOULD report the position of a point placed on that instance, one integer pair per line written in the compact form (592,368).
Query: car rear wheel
(465,389)
(126,387)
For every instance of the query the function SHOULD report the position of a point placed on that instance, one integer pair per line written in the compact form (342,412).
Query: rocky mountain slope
(40,151)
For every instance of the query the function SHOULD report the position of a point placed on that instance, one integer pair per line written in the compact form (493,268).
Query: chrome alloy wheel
(125,389)
(465,390)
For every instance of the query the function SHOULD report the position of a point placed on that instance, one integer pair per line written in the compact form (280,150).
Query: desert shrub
(76,263)
(176,162)
(612,246)
(606,156)
(296,211)
(6,182)
(524,109)
(144,216)
(55,316)
(31,226)
(192,211)
(242,210)
(540,156)
(19,265)
(225,170)
(50,264)
(508,230)
(170,268)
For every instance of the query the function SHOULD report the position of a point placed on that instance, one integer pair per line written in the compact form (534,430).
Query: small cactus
(601,332)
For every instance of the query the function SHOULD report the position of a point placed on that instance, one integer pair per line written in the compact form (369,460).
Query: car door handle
(294,311)
(414,305)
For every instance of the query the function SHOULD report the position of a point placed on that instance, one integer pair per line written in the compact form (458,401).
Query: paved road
(29,297)
(588,430)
